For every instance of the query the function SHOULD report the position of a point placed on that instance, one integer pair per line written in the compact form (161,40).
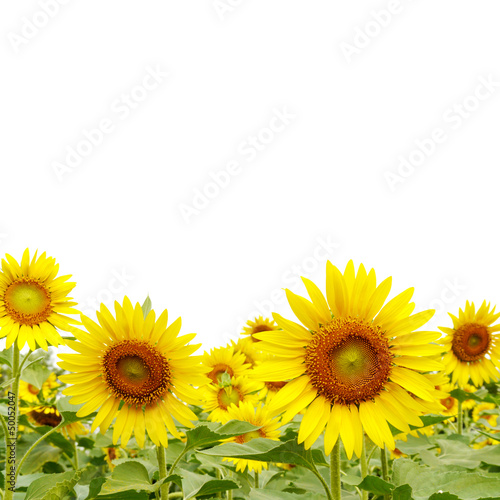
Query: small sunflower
(33,301)
(259,325)
(253,356)
(135,369)
(224,360)
(31,394)
(111,453)
(473,351)
(49,415)
(356,365)
(258,416)
(218,398)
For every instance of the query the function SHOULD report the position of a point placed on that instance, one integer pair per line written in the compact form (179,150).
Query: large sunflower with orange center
(356,363)
(472,345)
(34,301)
(135,369)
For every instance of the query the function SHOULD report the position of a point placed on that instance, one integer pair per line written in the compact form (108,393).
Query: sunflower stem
(460,418)
(76,455)
(11,434)
(335,472)
(385,468)
(256,478)
(162,468)
(364,467)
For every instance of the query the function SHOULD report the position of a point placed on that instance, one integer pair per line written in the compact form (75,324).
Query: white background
(359,102)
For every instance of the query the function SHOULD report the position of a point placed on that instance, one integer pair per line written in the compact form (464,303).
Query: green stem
(316,472)
(256,477)
(385,468)
(76,456)
(162,467)
(32,447)
(176,494)
(335,471)
(11,442)
(364,467)
(460,418)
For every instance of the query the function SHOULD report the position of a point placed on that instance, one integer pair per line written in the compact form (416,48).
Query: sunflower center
(348,361)
(448,403)
(471,342)
(218,370)
(248,436)
(275,386)
(27,301)
(136,372)
(228,396)
(46,416)
(32,389)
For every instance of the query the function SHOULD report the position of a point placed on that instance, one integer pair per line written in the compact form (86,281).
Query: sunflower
(33,302)
(218,398)
(253,356)
(259,325)
(259,416)
(111,453)
(224,360)
(482,411)
(135,369)
(356,365)
(472,345)
(31,394)
(49,415)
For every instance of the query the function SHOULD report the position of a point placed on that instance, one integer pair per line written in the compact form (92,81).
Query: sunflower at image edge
(472,348)
(357,363)
(140,362)
(34,301)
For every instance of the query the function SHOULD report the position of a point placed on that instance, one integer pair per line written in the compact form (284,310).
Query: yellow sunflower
(111,453)
(224,360)
(253,356)
(357,363)
(258,416)
(472,349)
(480,412)
(33,301)
(259,325)
(49,415)
(30,393)
(218,398)
(136,362)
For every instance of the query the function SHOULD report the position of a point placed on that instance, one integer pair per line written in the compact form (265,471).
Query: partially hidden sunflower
(222,360)
(31,394)
(135,369)
(472,345)
(34,301)
(247,347)
(258,416)
(356,364)
(218,398)
(259,325)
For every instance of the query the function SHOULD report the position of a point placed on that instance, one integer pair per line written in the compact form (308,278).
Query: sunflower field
(352,398)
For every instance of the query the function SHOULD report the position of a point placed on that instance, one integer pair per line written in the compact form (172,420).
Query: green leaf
(41,454)
(462,395)
(56,439)
(211,433)
(95,487)
(52,486)
(7,383)
(443,496)
(198,485)
(457,453)
(425,481)
(402,492)
(146,307)
(124,495)
(262,494)
(52,468)
(267,450)
(36,375)
(68,411)
(376,485)
(6,357)
(132,476)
